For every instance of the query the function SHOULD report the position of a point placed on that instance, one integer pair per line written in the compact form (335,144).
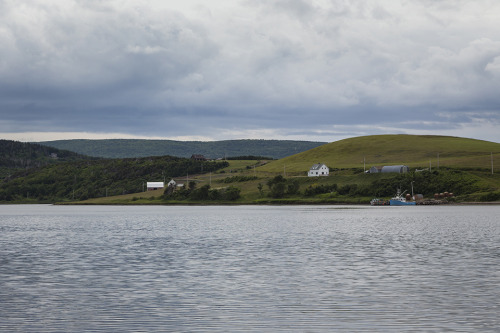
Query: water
(249,268)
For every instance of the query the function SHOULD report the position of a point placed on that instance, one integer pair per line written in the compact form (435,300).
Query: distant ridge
(23,155)
(412,150)
(123,148)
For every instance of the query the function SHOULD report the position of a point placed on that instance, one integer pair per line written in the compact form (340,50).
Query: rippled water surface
(250,268)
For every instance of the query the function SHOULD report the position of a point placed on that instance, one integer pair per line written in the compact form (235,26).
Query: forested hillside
(97,178)
(22,155)
(122,148)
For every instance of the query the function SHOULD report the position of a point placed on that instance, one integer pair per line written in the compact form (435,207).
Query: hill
(21,155)
(80,180)
(416,151)
(465,170)
(123,148)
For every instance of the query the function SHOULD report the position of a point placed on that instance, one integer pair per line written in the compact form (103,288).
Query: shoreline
(468,203)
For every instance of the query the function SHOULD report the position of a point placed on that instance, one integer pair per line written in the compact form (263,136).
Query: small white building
(318,169)
(172,183)
(154,185)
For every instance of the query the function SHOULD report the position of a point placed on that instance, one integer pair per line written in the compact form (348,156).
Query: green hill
(123,148)
(464,169)
(80,180)
(16,155)
(416,151)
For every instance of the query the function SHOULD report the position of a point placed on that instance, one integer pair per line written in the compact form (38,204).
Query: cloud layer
(235,69)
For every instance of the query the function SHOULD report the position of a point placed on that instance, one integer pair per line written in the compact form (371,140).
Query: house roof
(317,166)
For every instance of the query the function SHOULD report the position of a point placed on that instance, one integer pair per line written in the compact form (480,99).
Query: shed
(395,169)
(318,169)
(154,185)
(375,169)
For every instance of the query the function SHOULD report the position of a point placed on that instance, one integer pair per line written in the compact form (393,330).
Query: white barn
(154,185)
(318,169)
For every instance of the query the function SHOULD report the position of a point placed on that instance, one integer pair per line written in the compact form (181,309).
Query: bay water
(249,268)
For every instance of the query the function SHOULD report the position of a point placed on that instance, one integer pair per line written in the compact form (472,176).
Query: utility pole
(491,162)
(364,164)
(210,178)
(430,165)
(284,170)
(438,161)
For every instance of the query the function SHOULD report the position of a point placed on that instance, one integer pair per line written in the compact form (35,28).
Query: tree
(277,187)
(261,189)
(293,187)
(192,185)
(202,193)
(232,193)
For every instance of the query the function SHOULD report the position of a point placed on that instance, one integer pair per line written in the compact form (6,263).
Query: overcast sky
(314,70)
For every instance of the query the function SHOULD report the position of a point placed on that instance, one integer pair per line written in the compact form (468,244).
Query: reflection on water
(249,268)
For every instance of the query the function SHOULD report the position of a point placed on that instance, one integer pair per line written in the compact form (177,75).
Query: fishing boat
(399,200)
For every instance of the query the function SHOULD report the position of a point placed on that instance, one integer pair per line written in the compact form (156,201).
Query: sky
(318,70)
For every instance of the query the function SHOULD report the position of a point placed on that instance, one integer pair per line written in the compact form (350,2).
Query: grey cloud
(294,66)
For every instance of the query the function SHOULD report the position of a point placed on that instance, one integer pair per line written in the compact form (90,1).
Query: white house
(154,185)
(172,183)
(318,170)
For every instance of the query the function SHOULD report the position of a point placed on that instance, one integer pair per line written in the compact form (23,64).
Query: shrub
(234,179)
(491,196)
(279,186)
(232,193)
(319,189)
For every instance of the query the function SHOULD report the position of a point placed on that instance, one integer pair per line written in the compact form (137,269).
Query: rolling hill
(22,155)
(413,150)
(124,148)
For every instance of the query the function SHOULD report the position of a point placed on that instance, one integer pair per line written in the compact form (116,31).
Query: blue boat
(399,200)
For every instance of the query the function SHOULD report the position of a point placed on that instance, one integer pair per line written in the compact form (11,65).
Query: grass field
(345,158)
(412,150)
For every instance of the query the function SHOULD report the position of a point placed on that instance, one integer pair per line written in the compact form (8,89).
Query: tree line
(81,180)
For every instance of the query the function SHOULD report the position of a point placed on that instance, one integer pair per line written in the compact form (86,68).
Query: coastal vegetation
(470,174)
(81,180)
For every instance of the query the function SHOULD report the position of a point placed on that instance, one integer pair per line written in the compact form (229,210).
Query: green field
(416,151)
(464,169)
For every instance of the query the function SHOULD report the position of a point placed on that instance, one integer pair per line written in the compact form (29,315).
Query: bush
(348,189)
(293,187)
(279,186)
(319,189)
(492,196)
(425,182)
(201,194)
(205,193)
(234,179)
(232,193)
